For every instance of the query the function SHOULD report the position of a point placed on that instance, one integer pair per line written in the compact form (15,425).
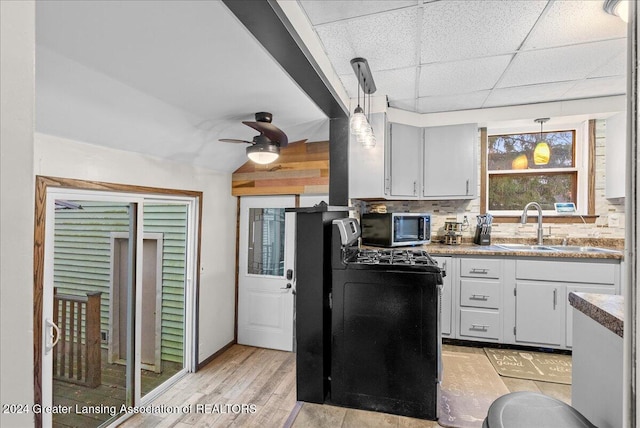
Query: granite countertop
(605,309)
(469,248)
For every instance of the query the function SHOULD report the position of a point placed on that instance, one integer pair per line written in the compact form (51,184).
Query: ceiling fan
(265,148)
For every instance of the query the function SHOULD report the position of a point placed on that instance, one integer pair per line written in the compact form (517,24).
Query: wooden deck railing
(77,356)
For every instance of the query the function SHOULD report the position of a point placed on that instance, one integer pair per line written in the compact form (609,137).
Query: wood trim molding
(484,147)
(591,174)
(216,354)
(42,185)
(237,273)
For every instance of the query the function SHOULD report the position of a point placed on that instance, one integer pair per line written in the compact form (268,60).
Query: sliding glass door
(115,302)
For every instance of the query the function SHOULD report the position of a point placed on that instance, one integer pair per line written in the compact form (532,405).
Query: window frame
(584,167)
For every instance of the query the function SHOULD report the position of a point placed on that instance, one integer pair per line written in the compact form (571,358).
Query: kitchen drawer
(589,271)
(480,268)
(480,323)
(480,293)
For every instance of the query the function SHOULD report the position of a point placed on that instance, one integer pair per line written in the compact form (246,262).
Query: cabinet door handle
(467,191)
(481,271)
(479,297)
(415,188)
(482,327)
(555,298)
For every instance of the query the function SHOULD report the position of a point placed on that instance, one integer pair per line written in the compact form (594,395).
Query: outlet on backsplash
(613,220)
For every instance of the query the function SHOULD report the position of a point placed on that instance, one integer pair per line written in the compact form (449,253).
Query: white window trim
(581,164)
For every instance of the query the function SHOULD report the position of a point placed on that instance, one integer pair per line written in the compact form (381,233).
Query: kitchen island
(598,326)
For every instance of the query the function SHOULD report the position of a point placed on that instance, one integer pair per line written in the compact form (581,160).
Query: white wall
(17,53)
(60,157)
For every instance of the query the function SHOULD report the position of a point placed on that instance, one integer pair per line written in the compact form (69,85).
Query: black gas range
(384,257)
(385,327)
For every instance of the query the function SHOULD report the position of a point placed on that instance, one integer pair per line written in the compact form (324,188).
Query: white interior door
(265,280)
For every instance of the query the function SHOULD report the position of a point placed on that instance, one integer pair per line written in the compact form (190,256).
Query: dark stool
(533,410)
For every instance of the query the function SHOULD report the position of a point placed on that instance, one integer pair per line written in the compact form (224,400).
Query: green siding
(82,259)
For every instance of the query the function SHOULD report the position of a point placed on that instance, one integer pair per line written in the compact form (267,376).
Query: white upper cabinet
(616,159)
(450,167)
(367,172)
(405,160)
(410,162)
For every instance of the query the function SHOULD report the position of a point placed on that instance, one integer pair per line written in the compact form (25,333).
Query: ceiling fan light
(263,153)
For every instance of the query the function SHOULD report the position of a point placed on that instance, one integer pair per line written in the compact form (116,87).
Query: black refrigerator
(313,314)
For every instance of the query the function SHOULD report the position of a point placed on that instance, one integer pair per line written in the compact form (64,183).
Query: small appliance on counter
(452,233)
(483,230)
(395,229)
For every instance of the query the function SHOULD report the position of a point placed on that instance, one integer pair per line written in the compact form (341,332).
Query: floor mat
(469,386)
(546,367)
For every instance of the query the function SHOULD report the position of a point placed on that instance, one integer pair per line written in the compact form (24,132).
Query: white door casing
(266,302)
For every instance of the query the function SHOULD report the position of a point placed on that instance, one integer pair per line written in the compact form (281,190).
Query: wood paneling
(302,168)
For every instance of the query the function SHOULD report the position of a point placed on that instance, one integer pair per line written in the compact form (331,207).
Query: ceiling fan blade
(231,140)
(270,131)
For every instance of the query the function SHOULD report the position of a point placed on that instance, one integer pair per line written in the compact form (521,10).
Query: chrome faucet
(523,218)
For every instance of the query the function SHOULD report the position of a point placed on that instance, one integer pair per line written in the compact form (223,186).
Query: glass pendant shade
(358,121)
(263,153)
(542,153)
(366,137)
(521,162)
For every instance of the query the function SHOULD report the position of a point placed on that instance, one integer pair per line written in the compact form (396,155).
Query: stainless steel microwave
(395,229)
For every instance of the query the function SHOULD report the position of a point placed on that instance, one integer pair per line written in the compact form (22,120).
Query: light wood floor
(266,379)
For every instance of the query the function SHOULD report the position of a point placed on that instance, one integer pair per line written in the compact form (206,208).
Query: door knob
(288,286)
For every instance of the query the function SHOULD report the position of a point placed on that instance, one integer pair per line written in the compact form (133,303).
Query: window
(516,173)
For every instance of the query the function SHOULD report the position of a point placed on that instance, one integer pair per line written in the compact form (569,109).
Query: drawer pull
(479,297)
(482,327)
(481,271)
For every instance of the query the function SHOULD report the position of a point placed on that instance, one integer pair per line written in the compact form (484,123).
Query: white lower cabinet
(523,300)
(540,313)
(480,299)
(542,287)
(587,288)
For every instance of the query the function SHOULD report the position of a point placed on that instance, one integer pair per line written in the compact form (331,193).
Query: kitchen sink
(552,248)
(525,247)
(581,249)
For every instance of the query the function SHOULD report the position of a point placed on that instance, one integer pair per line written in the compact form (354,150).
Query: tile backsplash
(609,224)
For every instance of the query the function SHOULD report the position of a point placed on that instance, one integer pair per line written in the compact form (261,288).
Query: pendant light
(359,123)
(542,152)
(619,8)
(358,119)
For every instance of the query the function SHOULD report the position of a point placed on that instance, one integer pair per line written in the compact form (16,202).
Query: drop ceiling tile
(387,40)
(613,67)
(599,87)
(468,101)
(398,84)
(462,76)
(468,29)
(570,22)
(321,12)
(408,104)
(559,64)
(527,94)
